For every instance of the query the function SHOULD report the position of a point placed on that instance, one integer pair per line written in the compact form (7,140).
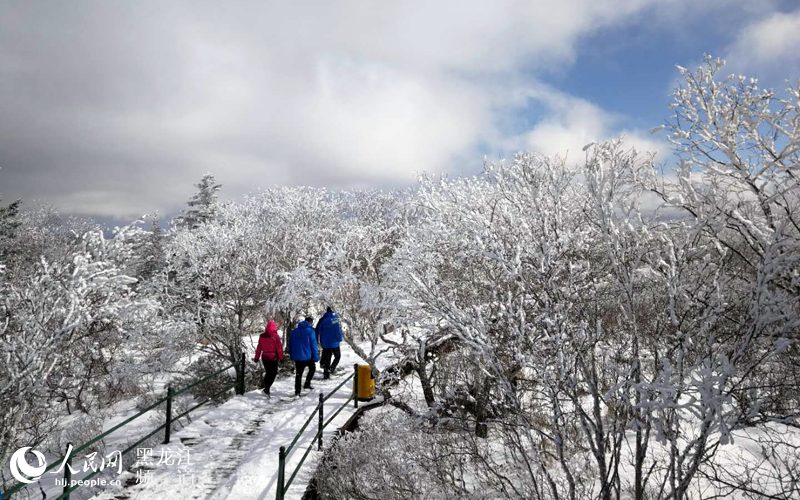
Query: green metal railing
(66,459)
(284,451)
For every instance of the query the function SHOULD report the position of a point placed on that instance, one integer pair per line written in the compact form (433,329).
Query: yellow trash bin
(366,384)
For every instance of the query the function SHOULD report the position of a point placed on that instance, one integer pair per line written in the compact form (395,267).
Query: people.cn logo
(22,470)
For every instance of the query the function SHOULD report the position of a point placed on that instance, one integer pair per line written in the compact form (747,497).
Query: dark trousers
(325,361)
(299,366)
(270,372)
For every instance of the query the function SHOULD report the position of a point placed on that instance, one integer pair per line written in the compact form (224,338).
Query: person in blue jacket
(304,353)
(329,334)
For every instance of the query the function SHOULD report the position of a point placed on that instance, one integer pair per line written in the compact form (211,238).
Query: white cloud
(118,108)
(569,123)
(768,47)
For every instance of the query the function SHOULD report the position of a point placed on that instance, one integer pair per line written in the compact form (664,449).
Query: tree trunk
(425,381)
(482,408)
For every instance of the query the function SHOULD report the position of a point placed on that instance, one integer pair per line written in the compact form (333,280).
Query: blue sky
(630,69)
(623,74)
(640,57)
(117,109)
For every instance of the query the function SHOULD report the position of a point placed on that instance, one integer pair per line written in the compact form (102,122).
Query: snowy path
(232,450)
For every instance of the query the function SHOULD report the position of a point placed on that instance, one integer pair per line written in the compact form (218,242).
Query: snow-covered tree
(75,336)
(369,226)
(62,325)
(612,350)
(148,240)
(215,267)
(203,204)
(9,222)
(729,265)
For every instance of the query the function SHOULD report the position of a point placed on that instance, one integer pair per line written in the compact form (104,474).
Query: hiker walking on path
(270,353)
(303,351)
(329,334)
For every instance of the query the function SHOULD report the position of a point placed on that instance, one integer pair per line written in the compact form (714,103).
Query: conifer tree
(202,206)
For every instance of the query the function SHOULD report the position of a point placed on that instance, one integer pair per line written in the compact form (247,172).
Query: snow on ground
(250,429)
(76,429)
(231,452)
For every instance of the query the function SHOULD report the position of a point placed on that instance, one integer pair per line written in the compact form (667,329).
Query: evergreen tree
(202,206)
(148,247)
(9,222)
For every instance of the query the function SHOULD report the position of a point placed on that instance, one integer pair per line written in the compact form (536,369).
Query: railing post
(355,385)
(168,425)
(281,467)
(240,388)
(319,433)
(67,472)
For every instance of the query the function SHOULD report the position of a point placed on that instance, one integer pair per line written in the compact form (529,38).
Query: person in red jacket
(270,352)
